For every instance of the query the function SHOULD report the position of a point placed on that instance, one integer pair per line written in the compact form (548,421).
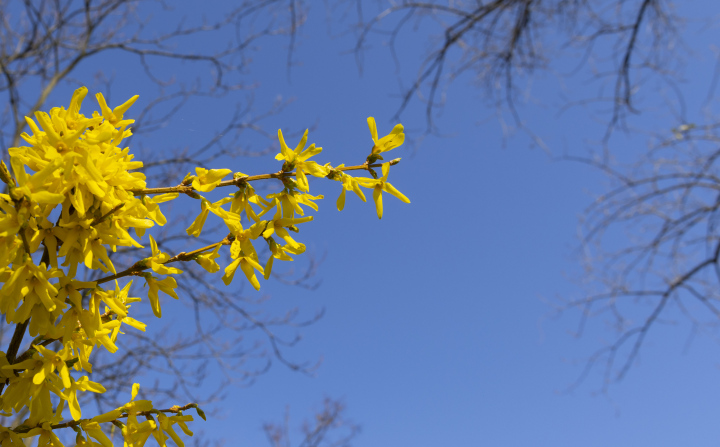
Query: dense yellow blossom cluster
(71,196)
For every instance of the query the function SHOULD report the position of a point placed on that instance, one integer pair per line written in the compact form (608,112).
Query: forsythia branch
(184,189)
(182,256)
(81,174)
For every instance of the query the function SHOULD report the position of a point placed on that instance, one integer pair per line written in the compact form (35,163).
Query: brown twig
(175,409)
(182,256)
(185,189)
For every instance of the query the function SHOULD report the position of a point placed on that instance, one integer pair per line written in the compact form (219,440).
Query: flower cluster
(286,207)
(73,196)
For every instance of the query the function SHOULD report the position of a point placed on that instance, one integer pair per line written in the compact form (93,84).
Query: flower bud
(5,174)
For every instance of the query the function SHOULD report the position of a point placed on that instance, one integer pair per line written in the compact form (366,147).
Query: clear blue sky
(438,328)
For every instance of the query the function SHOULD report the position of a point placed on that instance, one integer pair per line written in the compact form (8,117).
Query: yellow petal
(341,200)
(74,405)
(302,143)
(122,108)
(268,267)
(230,271)
(391,189)
(377,196)
(373,128)
(285,151)
(250,273)
(196,228)
(154,246)
(77,99)
(390,141)
(385,170)
(302,181)
(106,112)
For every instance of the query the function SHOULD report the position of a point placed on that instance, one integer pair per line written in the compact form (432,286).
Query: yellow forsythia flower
(207,260)
(158,260)
(196,227)
(167,285)
(82,384)
(207,179)
(395,138)
(298,159)
(9,438)
(246,260)
(380,185)
(349,183)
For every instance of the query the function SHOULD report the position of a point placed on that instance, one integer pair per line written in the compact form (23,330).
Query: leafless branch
(651,246)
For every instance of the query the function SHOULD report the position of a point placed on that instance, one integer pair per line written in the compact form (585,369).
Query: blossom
(207,179)
(165,426)
(289,203)
(82,384)
(207,260)
(44,234)
(246,260)
(9,438)
(349,183)
(32,387)
(243,237)
(136,433)
(242,199)
(95,432)
(246,264)
(153,210)
(298,159)
(196,228)
(32,187)
(380,185)
(158,260)
(390,141)
(80,441)
(63,132)
(279,226)
(280,252)
(51,361)
(29,287)
(47,437)
(115,115)
(167,285)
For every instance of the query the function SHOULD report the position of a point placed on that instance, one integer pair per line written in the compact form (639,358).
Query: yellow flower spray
(76,165)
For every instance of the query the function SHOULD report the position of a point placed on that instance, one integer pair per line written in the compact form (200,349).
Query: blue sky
(439,326)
